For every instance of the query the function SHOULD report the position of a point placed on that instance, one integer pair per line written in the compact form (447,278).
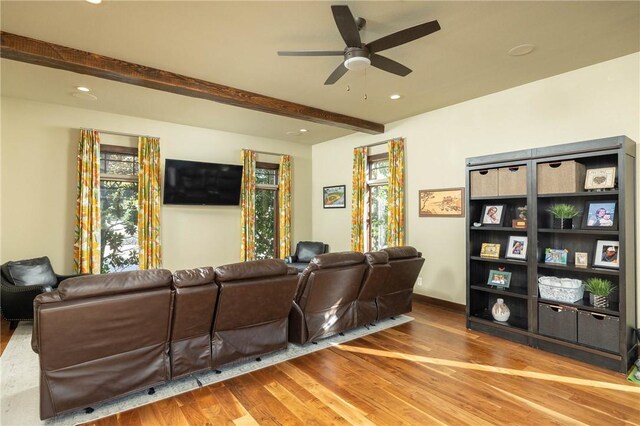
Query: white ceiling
(235,44)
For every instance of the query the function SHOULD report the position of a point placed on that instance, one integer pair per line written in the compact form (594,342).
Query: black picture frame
(334,197)
(485,217)
(500,279)
(591,218)
(601,259)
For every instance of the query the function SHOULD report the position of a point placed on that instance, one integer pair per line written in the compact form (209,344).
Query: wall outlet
(419,282)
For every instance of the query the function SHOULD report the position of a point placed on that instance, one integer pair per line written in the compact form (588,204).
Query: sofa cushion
(402,252)
(338,259)
(113,283)
(36,271)
(307,250)
(254,269)
(377,257)
(193,277)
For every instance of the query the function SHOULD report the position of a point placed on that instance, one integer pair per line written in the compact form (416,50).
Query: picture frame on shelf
(446,202)
(600,178)
(600,215)
(492,214)
(499,278)
(517,247)
(607,254)
(333,197)
(582,259)
(490,250)
(556,256)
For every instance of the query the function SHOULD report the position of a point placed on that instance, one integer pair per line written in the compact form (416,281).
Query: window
(377,201)
(118,208)
(267,245)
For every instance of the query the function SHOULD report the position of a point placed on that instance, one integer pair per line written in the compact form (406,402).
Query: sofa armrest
(291,259)
(61,278)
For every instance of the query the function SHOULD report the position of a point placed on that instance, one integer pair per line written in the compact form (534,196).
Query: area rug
(20,378)
(632,376)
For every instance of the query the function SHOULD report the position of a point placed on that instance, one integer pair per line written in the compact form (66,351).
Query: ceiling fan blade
(311,53)
(404,36)
(336,74)
(389,65)
(346,24)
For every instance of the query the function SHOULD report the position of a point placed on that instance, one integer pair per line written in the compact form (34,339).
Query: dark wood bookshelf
(497,228)
(592,194)
(518,292)
(578,231)
(573,268)
(613,309)
(500,260)
(518,323)
(500,197)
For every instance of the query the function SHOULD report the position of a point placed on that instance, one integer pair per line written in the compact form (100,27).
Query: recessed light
(521,50)
(395,96)
(303,130)
(94,1)
(83,89)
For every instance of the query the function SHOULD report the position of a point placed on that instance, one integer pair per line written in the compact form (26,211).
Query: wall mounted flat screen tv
(196,183)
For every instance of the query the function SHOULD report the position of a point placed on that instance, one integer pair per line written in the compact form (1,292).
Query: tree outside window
(378,205)
(267,246)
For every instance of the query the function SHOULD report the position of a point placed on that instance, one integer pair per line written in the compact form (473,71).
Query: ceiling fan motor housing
(356,58)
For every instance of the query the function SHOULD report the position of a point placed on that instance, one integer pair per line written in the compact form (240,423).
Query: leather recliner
(325,303)
(305,251)
(378,270)
(252,311)
(396,293)
(102,336)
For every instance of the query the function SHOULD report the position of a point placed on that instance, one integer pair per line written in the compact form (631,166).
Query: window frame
(276,213)
(116,149)
(370,183)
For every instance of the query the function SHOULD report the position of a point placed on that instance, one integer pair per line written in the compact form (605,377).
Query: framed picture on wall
(333,197)
(447,202)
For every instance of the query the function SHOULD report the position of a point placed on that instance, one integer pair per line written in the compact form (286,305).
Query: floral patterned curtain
(395,223)
(149,246)
(86,248)
(358,192)
(284,205)
(248,206)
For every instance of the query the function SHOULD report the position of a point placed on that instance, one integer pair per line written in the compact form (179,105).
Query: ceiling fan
(358,55)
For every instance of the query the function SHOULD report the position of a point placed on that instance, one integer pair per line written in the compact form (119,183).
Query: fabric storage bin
(560,322)
(484,183)
(561,177)
(599,330)
(512,180)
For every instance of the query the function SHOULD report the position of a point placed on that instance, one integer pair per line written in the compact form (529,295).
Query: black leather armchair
(305,251)
(21,282)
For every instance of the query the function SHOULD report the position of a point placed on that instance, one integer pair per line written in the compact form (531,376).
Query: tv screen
(196,183)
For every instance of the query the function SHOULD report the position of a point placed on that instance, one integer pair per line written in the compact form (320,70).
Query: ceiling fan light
(357,63)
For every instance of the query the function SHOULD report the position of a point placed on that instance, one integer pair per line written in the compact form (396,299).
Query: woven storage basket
(561,289)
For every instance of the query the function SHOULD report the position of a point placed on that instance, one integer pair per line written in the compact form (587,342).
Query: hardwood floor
(5,334)
(429,371)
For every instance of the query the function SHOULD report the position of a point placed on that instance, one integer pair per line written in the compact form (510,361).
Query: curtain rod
(265,152)
(376,143)
(109,132)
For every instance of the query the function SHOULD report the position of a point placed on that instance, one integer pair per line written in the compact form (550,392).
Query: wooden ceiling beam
(38,52)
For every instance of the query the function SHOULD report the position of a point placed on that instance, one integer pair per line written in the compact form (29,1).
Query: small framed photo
(492,214)
(446,202)
(555,256)
(582,259)
(490,250)
(600,215)
(607,254)
(517,248)
(333,197)
(499,278)
(602,178)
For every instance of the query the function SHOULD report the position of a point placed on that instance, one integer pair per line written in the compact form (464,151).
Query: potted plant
(563,215)
(599,291)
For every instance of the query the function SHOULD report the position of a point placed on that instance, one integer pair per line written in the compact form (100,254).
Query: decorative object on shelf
(560,177)
(499,278)
(333,197)
(563,215)
(490,250)
(582,259)
(521,221)
(607,254)
(493,214)
(519,224)
(447,202)
(517,247)
(566,290)
(500,311)
(600,215)
(599,179)
(477,224)
(599,291)
(556,256)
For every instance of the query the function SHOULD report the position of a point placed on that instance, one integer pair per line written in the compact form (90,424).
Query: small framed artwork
(492,214)
(582,259)
(490,250)
(517,248)
(602,178)
(607,254)
(448,202)
(600,215)
(555,256)
(333,197)
(499,278)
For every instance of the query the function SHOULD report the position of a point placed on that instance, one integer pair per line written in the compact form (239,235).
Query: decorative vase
(562,223)
(500,311)
(599,301)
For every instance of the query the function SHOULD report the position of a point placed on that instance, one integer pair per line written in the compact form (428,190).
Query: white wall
(598,101)
(38,184)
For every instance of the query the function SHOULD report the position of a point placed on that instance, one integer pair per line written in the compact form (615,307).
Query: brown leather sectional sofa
(104,336)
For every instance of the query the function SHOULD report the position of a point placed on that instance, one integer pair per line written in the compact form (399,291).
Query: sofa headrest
(193,277)
(338,259)
(307,250)
(36,271)
(252,269)
(113,283)
(402,252)
(377,257)
(292,270)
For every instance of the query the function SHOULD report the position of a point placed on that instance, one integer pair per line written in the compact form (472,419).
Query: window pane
(265,223)
(266,176)
(379,210)
(118,164)
(119,226)
(379,170)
